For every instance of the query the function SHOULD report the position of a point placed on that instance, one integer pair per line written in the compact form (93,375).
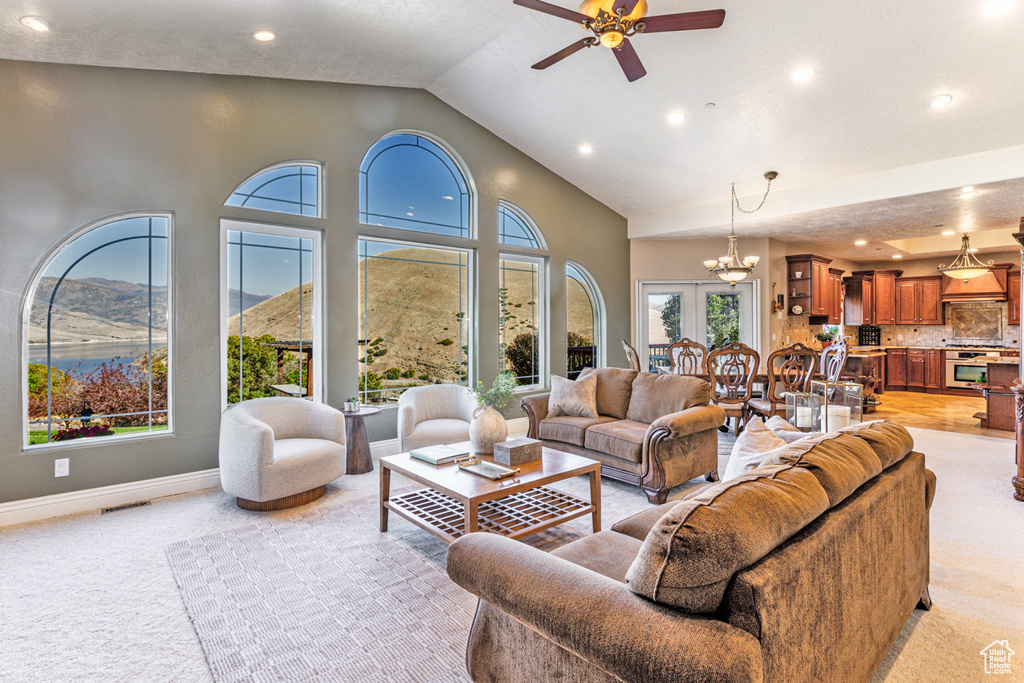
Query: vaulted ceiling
(849,142)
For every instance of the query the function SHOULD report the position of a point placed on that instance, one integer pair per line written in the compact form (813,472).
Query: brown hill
(95,310)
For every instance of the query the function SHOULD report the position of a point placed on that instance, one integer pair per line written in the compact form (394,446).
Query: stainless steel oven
(964,368)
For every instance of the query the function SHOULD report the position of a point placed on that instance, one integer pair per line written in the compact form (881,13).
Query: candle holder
(798,410)
(835,405)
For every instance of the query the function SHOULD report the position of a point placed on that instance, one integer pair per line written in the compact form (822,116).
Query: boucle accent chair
(278,453)
(655,431)
(802,570)
(434,414)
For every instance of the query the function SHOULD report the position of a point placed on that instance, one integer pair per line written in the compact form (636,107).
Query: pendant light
(966,265)
(729,267)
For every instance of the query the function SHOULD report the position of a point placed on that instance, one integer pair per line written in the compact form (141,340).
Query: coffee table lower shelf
(516,515)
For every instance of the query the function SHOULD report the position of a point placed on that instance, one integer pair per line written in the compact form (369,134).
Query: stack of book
(442,454)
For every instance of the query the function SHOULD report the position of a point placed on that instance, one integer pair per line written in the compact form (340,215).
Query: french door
(712,313)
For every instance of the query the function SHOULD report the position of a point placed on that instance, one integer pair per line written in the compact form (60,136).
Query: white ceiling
(866,112)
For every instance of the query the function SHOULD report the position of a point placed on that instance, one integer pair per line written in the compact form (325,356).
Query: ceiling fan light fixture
(611,39)
(592,8)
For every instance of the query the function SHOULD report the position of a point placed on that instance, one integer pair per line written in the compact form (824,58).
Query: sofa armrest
(690,421)
(598,618)
(536,409)
(929,489)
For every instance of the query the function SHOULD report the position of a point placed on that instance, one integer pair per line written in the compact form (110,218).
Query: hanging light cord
(736,201)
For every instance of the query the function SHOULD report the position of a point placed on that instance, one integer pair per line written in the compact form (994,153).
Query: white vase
(487,428)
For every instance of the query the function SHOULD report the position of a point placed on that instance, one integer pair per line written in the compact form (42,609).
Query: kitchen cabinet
(915,369)
(1013,296)
(884,282)
(835,302)
(934,371)
(808,285)
(896,369)
(859,305)
(919,300)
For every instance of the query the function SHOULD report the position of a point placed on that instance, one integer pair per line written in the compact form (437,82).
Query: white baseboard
(45,507)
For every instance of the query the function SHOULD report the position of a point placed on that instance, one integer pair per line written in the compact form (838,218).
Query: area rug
(325,596)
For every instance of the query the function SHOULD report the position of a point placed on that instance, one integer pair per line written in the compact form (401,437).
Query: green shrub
(424,377)
(522,355)
(393,373)
(409,374)
(446,342)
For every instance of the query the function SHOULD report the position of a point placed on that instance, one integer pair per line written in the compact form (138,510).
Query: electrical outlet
(787,339)
(899,337)
(774,336)
(61,467)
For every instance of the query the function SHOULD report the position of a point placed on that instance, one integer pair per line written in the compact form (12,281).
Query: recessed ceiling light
(997,7)
(861,243)
(36,24)
(802,74)
(709,105)
(897,255)
(947,233)
(940,101)
(264,35)
(963,194)
(676,117)
(586,149)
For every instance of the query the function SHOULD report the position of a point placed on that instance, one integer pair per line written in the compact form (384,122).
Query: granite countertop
(860,350)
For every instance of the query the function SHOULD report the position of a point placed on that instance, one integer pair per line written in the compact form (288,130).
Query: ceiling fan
(613,22)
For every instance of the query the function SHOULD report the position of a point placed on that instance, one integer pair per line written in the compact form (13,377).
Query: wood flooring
(935,411)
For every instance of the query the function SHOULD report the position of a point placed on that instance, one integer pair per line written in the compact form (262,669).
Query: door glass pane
(664,327)
(723,319)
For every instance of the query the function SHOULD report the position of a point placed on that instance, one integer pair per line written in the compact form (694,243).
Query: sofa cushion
(890,441)
(568,428)
(621,438)
(657,395)
(577,398)
(605,552)
(751,447)
(693,551)
(614,387)
(840,462)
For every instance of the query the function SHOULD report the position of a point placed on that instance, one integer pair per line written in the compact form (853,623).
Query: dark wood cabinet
(934,371)
(896,369)
(809,285)
(835,299)
(1013,296)
(884,282)
(820,287)
(915,369)
(919,300)
(859,305)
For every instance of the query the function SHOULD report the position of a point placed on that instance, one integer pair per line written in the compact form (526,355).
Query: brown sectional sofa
(656,431)
(805,569)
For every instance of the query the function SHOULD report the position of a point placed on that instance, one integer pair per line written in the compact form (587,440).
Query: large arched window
(516,228)
(583,317)
(96,325)
(407,181)
(285,188)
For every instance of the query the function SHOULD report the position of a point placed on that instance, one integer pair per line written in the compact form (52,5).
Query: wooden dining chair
(790,370)
(732,369)
(687,357)
(631,355)
(833,360)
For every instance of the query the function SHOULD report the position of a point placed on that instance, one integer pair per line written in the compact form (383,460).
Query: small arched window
(407,181)
(293,188)
(97,323)
(516,228)
(583,317)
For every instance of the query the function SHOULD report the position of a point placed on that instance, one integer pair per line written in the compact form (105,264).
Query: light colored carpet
(92,598)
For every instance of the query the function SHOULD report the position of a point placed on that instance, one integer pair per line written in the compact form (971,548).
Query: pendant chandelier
(966,265)
(729,267)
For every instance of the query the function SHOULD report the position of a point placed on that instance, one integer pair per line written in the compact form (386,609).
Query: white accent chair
(433,414)
(278,453)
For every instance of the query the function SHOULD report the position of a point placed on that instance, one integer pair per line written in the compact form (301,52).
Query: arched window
(583,316)
(285,188)
(406,181)
(517,228)
(97,323)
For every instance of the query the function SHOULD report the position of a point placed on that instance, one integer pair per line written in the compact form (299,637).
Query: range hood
(988,287)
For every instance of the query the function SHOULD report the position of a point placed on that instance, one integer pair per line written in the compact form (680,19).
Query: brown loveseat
(805,569)
(656,431)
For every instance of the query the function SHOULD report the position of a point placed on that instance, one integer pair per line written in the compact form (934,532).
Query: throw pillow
(751,447)
(577,398)
(786,431)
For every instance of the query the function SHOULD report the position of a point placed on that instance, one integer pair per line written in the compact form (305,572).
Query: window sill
(90,443)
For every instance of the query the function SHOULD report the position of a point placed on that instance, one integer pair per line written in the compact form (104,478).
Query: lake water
(84,358)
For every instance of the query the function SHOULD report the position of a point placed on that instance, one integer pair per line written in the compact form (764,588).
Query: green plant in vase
(488,426)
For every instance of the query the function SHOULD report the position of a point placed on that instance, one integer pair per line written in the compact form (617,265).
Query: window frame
(599,310)
(321,188)
(457,162)
(528,222)
(317,313)
(543,336)
(26,313)
(471,286)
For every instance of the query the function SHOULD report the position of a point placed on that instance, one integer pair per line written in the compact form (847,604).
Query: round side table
(357,444)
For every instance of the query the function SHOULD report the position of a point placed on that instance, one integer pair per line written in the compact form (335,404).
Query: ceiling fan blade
(564,52)
(688,21)
(626,6)
(629,61)
(554,10)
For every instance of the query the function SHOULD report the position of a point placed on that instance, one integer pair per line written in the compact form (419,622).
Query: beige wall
(79,144)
